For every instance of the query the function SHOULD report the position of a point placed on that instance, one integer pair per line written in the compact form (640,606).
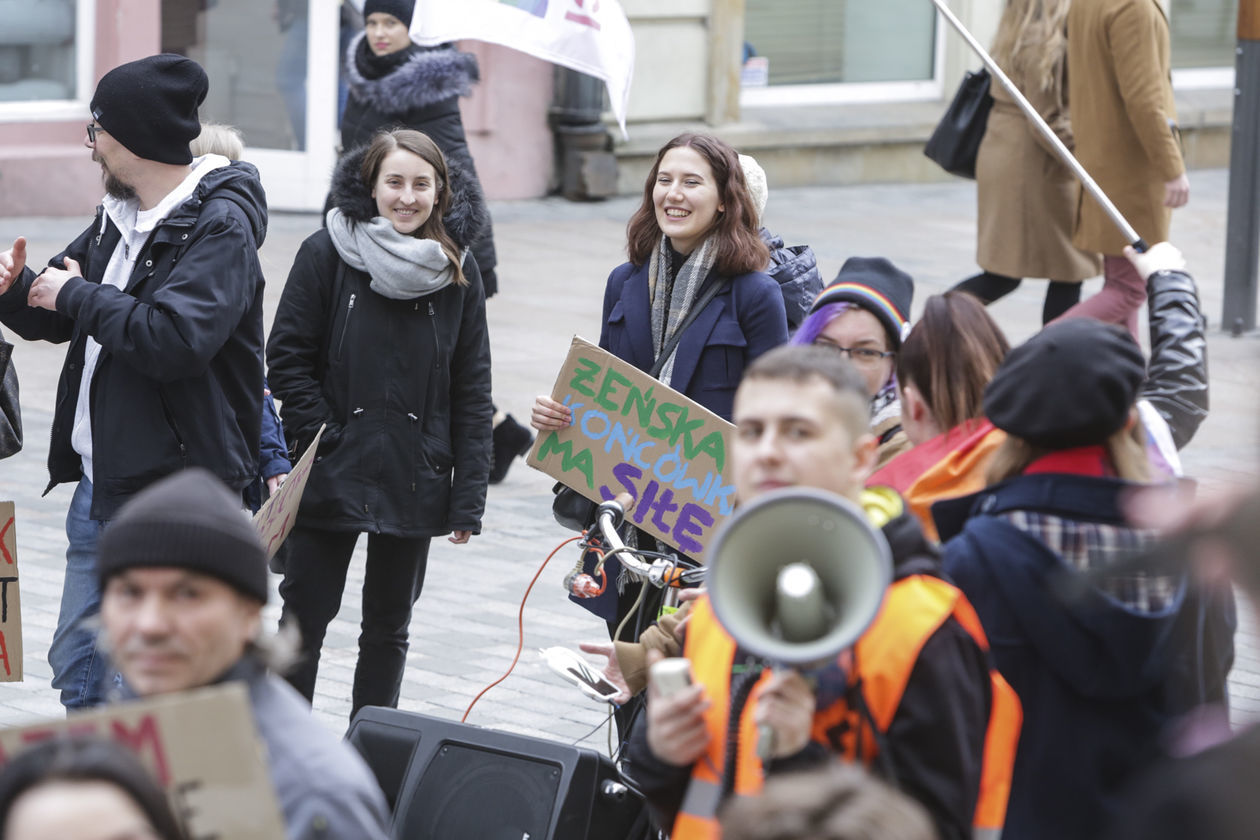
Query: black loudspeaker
(448,781)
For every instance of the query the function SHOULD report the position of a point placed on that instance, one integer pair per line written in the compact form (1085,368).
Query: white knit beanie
(757,187)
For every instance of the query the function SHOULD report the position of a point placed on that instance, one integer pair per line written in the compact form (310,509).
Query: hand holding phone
(575,669)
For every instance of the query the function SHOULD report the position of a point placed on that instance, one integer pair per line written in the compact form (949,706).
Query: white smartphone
(574,668)
(670,675)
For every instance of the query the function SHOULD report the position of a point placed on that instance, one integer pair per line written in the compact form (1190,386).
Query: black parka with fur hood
(403,385)
(420,91)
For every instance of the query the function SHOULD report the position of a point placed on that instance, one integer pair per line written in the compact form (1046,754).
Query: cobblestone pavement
(554,257)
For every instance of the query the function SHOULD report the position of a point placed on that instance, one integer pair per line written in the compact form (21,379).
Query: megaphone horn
(797,575)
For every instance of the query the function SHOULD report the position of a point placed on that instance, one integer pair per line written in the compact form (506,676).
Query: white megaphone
(797,575)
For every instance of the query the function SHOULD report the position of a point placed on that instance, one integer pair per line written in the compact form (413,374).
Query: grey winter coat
(422,92)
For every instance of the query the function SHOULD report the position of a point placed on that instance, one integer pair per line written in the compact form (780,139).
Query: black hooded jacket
(179,381)
(422,92)
(403,385)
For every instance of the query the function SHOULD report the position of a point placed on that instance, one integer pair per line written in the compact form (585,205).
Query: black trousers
(1060,297)
(314,579)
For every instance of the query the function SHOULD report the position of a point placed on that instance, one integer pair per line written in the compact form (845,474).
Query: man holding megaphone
(912,696)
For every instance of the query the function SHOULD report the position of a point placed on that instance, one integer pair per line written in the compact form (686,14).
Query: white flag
(590,36)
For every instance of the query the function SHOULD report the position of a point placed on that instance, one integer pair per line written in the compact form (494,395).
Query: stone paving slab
(555,256)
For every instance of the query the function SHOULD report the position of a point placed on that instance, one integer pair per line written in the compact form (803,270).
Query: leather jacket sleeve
(10,410)
(1176,377)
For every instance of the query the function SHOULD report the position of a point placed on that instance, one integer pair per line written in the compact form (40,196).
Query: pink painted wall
(45,170)
(506,122)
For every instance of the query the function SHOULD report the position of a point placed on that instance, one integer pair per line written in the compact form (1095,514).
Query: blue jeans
(78,668)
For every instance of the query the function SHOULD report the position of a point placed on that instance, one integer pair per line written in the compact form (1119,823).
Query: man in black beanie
(184,577)
(160,299)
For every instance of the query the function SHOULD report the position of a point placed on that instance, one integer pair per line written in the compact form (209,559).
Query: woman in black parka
(381,335)
(395,83)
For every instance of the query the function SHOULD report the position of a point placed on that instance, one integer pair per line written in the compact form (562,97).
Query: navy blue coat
(743,321)
(1100,680)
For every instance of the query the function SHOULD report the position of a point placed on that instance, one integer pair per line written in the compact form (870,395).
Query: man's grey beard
(114,187)
(117,189)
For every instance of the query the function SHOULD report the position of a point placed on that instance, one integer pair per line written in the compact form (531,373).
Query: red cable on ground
(520,626)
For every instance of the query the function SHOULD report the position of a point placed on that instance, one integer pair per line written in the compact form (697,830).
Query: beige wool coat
(1120,87)
(1026,196)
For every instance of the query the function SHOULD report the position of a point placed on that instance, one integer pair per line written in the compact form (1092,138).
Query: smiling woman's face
(686,198)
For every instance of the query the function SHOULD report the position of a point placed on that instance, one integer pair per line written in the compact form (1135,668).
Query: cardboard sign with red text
(632,434)
(201,746)
(276,518)
(10,599)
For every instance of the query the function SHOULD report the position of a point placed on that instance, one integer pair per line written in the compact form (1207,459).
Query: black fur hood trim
(464,220)
(431,75)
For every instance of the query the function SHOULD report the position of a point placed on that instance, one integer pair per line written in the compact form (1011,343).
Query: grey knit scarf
(402,267)
(672,299)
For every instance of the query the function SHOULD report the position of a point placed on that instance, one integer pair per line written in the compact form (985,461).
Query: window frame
(56,110)
(854,93)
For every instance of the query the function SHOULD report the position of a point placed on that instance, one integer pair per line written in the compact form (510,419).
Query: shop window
(812,42)
(1203,32)
(38,50)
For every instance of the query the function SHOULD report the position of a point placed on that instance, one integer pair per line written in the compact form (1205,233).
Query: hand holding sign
(631,434)
(276,518)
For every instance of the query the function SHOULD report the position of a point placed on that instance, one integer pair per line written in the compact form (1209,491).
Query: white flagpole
(1091,186)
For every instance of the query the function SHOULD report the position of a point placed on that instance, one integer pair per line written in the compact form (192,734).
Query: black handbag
(570,508)
(956,139)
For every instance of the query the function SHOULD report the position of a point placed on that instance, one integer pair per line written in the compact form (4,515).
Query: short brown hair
(739,246)
(804,362)
(950,355)
(837,802)
(422,146)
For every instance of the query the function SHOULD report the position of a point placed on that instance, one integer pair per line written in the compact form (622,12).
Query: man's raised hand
(12,262)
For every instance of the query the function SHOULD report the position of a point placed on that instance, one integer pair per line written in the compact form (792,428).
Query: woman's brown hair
(950,356)
(739,246)
(1126,449)
(420,145)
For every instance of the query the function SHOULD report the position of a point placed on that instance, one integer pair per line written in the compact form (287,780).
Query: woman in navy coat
(694,250)
(694,233)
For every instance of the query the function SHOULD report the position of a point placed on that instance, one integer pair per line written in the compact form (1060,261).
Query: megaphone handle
(765,742)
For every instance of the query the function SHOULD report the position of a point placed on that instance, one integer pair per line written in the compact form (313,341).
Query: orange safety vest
(914,608)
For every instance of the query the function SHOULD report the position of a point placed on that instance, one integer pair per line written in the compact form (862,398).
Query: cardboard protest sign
(632,434)
(201,746)
(10,600)
(275,519)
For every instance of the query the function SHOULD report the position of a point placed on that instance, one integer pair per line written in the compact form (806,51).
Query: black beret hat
(150,106)
(1072,384)
(188,520)
(401,9)
(879,287)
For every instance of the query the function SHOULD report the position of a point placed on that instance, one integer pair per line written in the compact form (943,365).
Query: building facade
(822,91)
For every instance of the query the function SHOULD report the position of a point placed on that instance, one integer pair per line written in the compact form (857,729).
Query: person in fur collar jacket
(395,83)
(380,337)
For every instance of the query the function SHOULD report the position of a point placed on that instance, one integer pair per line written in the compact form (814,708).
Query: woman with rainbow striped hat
(865,314)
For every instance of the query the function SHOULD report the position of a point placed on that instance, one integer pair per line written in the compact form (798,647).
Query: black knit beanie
(150,106)
(188,520)
(879,287)
(1072,384)
(401,9)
